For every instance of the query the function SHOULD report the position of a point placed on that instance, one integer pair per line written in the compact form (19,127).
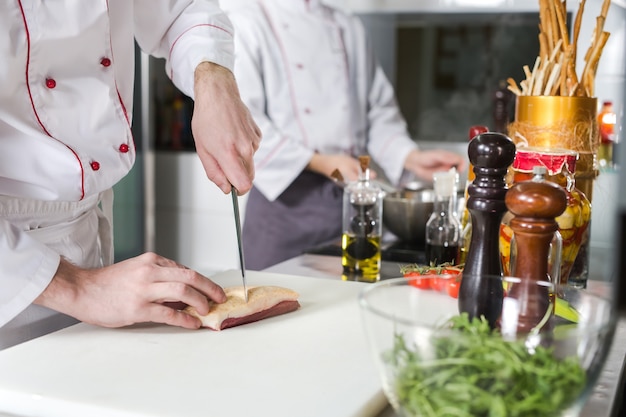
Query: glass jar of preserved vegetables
(574,222)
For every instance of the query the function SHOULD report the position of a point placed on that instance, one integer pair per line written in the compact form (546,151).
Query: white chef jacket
(66,72)
(309,77)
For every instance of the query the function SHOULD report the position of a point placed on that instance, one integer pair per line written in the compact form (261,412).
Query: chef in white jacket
(66,77)
(310,79)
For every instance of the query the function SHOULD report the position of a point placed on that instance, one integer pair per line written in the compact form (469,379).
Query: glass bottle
(606,125)
(466,224)
(573,223)
(443,228)
(362,227)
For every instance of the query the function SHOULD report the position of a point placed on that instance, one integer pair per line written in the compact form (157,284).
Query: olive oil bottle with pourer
(362,227)
(443,228)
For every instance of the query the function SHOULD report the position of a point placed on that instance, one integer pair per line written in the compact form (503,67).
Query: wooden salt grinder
(481,294)
(535,204)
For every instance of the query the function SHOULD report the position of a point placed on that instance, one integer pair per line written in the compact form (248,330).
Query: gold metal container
(561,122)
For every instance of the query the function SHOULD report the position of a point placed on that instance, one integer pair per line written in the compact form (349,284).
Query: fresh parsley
(482,375)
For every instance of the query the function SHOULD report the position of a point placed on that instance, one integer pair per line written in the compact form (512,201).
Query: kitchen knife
(242,264)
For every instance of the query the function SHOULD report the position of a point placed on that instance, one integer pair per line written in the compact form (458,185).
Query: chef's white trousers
(79,231)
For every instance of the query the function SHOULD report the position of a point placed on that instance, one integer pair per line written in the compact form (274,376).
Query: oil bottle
(443,228)
(362,227)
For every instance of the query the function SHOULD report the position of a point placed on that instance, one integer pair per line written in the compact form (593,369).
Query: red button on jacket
(105,62)
(123,148)
(95,165)
(50,83)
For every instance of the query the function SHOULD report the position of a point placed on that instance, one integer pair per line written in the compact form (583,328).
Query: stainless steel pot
(406,212)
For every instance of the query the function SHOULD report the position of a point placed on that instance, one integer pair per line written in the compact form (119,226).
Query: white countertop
(309,363)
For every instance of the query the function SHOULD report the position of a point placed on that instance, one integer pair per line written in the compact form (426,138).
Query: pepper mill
(480,294)
(534,204)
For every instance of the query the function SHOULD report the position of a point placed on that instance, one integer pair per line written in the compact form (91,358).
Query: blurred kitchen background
(448,60)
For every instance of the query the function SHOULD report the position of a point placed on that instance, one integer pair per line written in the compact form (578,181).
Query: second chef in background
(309,77)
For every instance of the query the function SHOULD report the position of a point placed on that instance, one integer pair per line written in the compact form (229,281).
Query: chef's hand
(349,167)
(425,163)
(226,136)
(137,290)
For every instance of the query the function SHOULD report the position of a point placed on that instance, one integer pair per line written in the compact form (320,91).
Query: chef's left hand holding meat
(67,74)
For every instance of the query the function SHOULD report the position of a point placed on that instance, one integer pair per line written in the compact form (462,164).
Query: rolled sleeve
(185,33)
(26,268)
(201,43)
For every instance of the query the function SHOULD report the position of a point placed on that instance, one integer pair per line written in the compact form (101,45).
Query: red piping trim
(32,103)
(270,155)
(117,90)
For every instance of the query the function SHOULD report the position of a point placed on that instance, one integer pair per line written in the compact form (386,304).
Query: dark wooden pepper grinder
(535,204)
(481,294)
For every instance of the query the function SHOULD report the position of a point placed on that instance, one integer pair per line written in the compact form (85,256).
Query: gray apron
(307,214)
(79,231)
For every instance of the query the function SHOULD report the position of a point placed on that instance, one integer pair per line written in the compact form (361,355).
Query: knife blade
(242,264)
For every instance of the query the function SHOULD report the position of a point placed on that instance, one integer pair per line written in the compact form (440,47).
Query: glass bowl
(541,358)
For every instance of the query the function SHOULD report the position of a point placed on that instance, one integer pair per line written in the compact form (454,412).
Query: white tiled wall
(194,219)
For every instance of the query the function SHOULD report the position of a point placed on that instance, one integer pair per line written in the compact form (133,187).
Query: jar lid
(554,159)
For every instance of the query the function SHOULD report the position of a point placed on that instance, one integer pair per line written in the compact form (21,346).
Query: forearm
(62,292)
(325,164)
(225,134)
(318,164)
(211,78)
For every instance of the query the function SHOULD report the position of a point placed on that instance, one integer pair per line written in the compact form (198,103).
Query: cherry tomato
(416,279)
(453,285)
(443,278)
(438,283)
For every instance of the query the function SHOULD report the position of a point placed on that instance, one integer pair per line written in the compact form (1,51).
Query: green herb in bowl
(468,369)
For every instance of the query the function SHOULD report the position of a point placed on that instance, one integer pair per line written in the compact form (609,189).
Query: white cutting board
(312,362)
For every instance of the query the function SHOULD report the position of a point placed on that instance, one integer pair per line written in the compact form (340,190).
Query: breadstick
(577,23)
(568,70)
(588,82)
(512,86)
(546,22)
(592,63)
(603,40)
(538,84)
(572,87)
(524,86)
(543,44)
(562,83)
(533,80)
(556,50)
(529,78)
(554,24)
(604,11)
(514,90)
(560,17)
(588,76)
(551,85)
